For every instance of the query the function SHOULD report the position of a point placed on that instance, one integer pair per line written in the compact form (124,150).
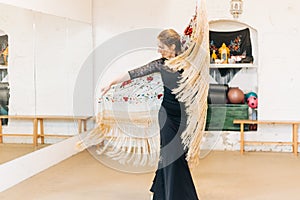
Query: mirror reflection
(37,77)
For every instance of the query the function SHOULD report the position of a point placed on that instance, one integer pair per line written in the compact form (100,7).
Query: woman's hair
(169,37)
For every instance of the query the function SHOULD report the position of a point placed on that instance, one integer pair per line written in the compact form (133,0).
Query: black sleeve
(147,69)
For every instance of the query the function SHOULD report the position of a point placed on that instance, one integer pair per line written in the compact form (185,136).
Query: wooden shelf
(238,65)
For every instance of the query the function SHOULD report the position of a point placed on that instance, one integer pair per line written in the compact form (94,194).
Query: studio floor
(220,176)
(10,151)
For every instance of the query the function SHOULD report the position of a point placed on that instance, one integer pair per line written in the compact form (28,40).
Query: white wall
(111,17)
(277,38)
(74,9)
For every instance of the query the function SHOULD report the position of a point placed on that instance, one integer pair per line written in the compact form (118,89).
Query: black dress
(173,180)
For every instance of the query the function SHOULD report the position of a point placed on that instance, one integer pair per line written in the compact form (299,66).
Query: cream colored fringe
(129,140)
(193,87)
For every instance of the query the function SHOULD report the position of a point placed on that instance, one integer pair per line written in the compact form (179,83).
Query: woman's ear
(173,46)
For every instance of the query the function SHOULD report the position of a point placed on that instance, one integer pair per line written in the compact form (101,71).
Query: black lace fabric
(170,78)
(152,67)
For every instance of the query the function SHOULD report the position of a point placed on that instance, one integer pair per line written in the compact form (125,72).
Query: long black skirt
(173,180)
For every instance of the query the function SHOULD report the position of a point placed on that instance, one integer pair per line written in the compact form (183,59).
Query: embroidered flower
(126,83)
(149,78)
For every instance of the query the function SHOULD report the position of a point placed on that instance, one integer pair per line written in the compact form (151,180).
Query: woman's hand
(105,89)
(121,78)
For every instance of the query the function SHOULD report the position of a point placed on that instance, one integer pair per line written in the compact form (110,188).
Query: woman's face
(165,51)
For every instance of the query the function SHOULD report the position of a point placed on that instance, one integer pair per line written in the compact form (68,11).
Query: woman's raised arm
(119,79)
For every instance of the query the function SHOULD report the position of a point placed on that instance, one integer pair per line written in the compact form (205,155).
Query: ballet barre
(38,123)
(294,143)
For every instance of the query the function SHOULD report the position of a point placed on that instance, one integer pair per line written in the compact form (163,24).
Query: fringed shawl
(193,87)
(127,124)
(138,147)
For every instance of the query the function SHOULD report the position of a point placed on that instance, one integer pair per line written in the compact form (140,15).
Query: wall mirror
(38,73)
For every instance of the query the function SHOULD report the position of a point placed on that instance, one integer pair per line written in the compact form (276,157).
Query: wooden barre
(56,136)
(268,143)
(39,120)
(245,121)
(294,141)
(15,134)
(29,134)
(54,117)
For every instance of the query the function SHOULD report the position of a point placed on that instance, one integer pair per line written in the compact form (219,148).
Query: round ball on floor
(235,95)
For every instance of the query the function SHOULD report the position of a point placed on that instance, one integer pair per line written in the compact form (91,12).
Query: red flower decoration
(149,78)
(126,83)
(159,96)
(125,98)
